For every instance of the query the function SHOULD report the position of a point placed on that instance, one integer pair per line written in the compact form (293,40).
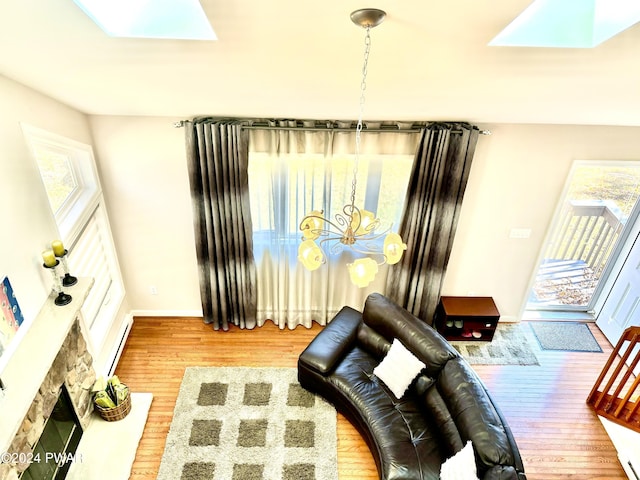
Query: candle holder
(62,298)
(68,280)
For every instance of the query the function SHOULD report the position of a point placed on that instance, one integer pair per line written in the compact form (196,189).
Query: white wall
(28,225)
(144,178)
(516,181)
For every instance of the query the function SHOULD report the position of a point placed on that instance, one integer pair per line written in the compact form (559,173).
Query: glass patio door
(599,204)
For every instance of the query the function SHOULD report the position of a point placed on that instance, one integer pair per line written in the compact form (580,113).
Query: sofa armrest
(333,342)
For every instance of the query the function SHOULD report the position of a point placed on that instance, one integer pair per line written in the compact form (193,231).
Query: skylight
(173,19)
(569,23)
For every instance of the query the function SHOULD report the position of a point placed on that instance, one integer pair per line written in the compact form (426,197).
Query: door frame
(632,241)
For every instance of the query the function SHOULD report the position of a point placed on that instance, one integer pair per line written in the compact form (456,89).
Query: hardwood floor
(558,434)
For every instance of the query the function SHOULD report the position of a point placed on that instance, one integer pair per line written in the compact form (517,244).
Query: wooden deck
(559,436)
(562,282)
(577,252)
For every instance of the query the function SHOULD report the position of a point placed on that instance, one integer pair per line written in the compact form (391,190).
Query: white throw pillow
(462,466)
(398,368)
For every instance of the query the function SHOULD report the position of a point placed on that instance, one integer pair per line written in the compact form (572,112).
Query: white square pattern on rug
(243,423)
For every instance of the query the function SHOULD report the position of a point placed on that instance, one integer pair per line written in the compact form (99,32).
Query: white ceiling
(302,59)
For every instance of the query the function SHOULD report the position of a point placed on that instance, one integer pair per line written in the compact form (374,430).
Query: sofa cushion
(502,472)
(435,406)
(462,466)
(398,368)
(392,321)
(372,341)
(474,414)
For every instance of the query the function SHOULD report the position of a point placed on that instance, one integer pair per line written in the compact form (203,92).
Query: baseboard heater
(633,470)
(117,351)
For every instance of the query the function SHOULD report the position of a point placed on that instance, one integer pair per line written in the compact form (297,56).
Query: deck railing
(618,399)
(587,231)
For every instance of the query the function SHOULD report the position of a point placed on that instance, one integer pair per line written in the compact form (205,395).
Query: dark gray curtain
(217,157)
(428,226)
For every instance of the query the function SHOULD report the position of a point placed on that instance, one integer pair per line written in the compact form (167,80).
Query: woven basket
(116,413)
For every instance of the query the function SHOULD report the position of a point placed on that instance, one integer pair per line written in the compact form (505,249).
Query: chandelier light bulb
(394,248)
(310,255)
(363,221)
(311,225)
(363,271)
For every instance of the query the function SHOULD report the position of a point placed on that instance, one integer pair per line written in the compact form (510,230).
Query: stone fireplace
(55,452)
(72,367)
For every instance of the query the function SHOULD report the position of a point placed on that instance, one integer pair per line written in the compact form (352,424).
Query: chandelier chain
(363,87)
(356,229)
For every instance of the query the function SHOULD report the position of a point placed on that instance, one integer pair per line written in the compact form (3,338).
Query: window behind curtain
(284,189)
(294,172)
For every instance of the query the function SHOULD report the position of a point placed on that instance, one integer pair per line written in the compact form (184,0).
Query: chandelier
(354,228)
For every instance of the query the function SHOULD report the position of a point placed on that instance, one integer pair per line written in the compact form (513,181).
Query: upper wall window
(59,177)
(68,173)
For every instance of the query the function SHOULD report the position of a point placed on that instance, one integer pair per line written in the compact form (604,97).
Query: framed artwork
(10,315)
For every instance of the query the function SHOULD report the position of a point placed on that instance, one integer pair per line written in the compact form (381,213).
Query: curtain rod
(350,129)
(181,123)
(332,129)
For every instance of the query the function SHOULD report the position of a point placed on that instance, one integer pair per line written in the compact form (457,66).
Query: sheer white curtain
(293,171)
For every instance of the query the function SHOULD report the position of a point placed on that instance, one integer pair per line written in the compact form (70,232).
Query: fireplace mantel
(33,357)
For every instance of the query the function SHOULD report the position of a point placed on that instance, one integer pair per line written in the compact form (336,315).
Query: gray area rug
(242,423)
(568,336)
(510,346)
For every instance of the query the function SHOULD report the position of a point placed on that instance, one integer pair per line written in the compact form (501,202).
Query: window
(59,177)
(71,182)
(174,19)
(293,172)
(285,187)
(69,176)
(568,23)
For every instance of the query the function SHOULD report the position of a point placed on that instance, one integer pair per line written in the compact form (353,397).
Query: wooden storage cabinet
(466,318)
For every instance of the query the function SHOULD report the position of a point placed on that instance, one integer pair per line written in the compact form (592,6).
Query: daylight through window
(58,176)
(284,189)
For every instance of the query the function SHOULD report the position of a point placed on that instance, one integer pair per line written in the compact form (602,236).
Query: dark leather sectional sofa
(446,406)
